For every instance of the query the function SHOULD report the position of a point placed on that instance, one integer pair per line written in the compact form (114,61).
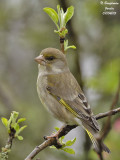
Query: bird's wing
(65,89)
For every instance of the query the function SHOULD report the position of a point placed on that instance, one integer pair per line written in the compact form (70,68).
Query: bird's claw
(57,143)
(52,136)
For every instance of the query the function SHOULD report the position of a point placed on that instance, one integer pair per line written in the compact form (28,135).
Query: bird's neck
(44,71)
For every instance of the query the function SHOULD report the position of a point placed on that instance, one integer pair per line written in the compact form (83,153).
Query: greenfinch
(61,94)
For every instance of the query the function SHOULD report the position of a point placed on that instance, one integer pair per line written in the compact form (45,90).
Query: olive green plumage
(61,94)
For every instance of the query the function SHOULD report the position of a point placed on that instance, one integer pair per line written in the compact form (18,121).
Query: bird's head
(52,60)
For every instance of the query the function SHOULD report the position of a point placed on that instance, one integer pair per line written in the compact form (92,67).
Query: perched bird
(61,94)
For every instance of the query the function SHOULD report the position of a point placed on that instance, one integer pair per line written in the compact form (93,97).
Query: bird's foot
(54,135)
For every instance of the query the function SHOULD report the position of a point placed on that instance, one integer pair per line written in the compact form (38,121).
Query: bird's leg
(62,131)
(55,135)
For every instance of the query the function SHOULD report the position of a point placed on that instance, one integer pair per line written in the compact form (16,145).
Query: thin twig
(106,114)
(7,148)
(62,44)
(107,125)
(40,148)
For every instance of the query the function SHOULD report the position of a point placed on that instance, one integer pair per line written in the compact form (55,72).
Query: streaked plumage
(61,94)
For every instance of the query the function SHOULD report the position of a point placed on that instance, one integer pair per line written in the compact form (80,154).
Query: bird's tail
(98,147)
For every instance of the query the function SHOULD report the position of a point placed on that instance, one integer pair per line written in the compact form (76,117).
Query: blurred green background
(24,31)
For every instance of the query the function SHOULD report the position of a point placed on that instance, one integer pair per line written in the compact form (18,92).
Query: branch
(106,114)
(13,130)
(107,125)
(63,132)
(7,148)
(62,44)
(52,141)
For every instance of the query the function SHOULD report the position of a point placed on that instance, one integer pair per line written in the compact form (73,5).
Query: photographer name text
(109,7)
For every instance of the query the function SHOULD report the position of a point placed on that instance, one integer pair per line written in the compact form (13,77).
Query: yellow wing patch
(61,101)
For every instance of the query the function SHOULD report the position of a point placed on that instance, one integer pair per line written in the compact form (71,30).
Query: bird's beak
(40,59)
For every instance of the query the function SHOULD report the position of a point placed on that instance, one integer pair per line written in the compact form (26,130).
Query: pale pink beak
(40,59)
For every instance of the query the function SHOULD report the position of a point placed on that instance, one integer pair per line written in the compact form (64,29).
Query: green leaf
(53,147)
(69,150)
(57,129)
(59,15)
(20,130)
(53,15)
(14,116)
(4,121)
(58,9)
(66,47)
(63,33)
(62,18)
(21,120)
(68,14)
(16,127)
(62,138)
(70,142)
(56,31)
(20,138)
(9,124)
(65,44)
(61,141)
(73,47)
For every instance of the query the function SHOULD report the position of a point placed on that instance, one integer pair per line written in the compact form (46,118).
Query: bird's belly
(59,111)
(52,105)
(56,109)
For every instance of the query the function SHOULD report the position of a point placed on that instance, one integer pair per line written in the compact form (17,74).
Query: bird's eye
(50,58)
